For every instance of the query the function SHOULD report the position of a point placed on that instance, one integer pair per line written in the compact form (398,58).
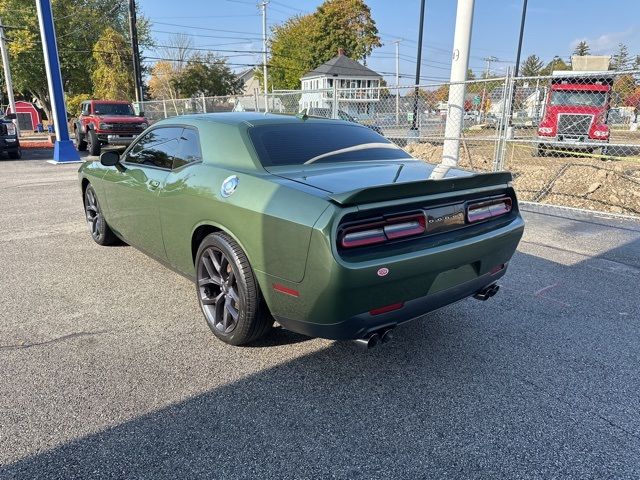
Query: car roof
(249,118)
(116,102)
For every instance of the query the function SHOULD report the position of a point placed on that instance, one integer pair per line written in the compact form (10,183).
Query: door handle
(153,184)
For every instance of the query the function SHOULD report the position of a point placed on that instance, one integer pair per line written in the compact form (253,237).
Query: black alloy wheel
(218,290)
(228,292)
(100,231)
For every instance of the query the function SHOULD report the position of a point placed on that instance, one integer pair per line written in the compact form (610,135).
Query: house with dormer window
(358,87)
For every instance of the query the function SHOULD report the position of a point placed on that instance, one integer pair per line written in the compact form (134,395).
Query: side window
(188,149)
(85,108)
(157,148)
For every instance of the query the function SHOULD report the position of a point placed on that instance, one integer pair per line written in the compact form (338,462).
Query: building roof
(244,74)
(341,66)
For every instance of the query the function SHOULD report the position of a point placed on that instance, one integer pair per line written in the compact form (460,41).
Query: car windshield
(113,109)
(578,98)
(297,144)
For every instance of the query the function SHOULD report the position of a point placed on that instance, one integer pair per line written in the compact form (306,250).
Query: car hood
(349,176)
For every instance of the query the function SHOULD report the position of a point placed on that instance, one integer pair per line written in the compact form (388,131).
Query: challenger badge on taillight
(383,230)
(477,212)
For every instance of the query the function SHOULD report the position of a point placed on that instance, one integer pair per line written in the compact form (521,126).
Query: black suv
(9,142)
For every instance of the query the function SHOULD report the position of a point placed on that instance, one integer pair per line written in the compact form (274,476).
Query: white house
(358,86)
(249,80)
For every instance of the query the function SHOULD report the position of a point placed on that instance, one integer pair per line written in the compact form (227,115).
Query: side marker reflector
(386,309)
(286,290)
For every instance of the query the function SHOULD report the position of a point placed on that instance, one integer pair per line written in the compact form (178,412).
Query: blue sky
(553,28)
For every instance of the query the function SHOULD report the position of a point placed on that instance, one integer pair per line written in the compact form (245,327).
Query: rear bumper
(335,297)
(360,326)
(8,144)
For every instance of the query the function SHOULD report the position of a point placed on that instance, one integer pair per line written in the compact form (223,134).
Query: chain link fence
(570,138)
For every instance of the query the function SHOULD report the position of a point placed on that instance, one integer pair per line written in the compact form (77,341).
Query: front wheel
(228,292)
(100,231)
(94,143)
(15,154)
(81,143)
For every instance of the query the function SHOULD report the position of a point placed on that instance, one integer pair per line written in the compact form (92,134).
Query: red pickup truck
(107,122)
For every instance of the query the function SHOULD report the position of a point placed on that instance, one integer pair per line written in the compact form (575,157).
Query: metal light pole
(459,67)
(517,67)
(524,16)
(264,54)
(133,34)
(397,42)
(414,131)
(7,74)
(64,151)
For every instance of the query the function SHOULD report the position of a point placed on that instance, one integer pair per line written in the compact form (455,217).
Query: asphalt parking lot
(108,370)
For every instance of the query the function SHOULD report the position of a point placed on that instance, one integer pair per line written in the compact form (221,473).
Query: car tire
(98,227)
(81,143)
(15,154)
(94,143)
(228,292)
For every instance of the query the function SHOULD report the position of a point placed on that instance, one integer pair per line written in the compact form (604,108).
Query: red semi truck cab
(575,112)
(107,122)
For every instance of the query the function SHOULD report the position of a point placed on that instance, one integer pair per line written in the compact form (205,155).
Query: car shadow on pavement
(533,383)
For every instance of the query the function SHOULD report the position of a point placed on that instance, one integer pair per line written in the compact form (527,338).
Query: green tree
(344,24)
(111,76)
(206,75)
(556,64)
(582,49)
(621,60)
(532,66)
(303,42)
(291,47)
(636,63)
(79,25)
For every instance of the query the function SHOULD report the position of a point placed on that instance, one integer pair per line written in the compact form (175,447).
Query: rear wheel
(94,143)
(100,231)
(228,292)
(15,154)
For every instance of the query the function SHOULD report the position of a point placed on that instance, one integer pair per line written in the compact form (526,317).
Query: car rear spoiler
(421,188)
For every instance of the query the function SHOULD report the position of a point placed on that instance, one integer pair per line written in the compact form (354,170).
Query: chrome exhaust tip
(368,343)
(487,292)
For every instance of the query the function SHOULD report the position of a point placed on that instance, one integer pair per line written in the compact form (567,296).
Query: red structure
(28,115)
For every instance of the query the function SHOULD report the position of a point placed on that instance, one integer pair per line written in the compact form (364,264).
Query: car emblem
(383,272)
(229,186)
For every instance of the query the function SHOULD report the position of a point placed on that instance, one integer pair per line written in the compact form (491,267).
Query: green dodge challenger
(322,225)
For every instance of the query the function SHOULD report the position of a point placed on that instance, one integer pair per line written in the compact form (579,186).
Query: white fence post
(164,107)
(334,104)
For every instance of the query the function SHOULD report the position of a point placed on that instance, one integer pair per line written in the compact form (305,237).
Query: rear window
(296,144)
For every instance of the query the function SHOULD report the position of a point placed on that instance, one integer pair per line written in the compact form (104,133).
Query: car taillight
(383,230)
(477,212)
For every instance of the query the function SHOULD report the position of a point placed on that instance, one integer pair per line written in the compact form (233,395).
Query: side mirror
(109,158)
(10,116)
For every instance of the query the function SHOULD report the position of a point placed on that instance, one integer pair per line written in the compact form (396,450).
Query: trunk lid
(352,183)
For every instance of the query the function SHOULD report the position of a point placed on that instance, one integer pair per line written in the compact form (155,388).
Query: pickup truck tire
(81,143)
(93,143)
